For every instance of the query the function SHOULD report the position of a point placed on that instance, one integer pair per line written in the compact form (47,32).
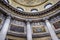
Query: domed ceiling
(28,5)
(32,9)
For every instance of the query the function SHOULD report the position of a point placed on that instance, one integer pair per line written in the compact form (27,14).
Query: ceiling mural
(30,2)
(28,5)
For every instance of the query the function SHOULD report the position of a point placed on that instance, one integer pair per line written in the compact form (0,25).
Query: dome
(29,20)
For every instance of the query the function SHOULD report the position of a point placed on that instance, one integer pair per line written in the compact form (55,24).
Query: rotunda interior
(29,20)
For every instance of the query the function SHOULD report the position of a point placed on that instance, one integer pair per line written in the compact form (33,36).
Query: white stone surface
(51,31)
(5,29)
(29,31)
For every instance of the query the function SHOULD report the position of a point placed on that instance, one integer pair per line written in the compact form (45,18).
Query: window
(34,10)
(20,9)
(6,1)
(48,5)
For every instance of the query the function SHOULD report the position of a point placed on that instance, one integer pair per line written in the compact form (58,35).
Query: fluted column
(5,28)
(51,31)
(29,31)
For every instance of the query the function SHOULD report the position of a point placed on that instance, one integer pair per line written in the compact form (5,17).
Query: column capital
(28,22)
(9,17)
(45,18)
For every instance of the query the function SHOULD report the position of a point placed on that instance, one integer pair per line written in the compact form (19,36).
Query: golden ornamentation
(30,3)
(39,29)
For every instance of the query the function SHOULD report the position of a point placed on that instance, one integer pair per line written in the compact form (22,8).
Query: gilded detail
(30,2)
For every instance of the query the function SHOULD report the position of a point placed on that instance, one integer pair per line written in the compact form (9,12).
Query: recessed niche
(17,29)
(39,29)
(57,25)
(20,9)
(34,10)
(48,5)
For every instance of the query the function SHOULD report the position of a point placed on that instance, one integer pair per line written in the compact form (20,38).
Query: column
(51,30)
(5,28)
(29,31)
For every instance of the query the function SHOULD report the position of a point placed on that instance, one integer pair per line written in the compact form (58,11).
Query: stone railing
(18,23)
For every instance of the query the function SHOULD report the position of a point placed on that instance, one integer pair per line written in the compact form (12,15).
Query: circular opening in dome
(48,5)
(20,9)
(34,10)
(6,1)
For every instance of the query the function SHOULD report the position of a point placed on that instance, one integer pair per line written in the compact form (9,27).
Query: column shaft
(51,30)
(5,28)
(29,31)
